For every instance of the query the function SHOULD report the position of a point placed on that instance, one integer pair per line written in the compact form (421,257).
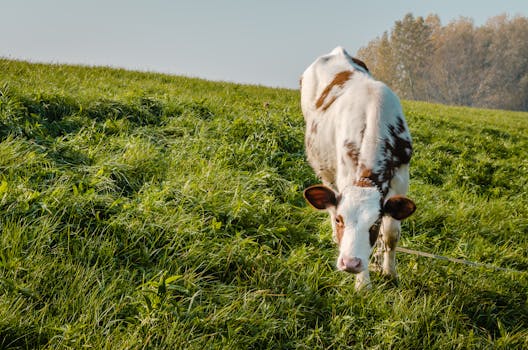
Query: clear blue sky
(267,42)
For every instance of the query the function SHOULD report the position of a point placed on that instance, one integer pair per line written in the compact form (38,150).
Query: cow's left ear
(399,207)
(320,197)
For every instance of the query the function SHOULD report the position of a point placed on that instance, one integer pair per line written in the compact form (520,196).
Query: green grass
(150,211)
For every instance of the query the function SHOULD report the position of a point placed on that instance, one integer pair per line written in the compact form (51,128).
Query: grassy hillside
(149,211)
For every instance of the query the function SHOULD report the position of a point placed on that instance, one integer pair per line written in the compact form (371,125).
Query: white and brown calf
(358,143)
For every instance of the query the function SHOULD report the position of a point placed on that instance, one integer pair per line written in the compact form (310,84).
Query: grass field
(149,211)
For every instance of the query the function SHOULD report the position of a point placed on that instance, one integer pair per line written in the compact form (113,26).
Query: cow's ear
(320,197)
(399,207)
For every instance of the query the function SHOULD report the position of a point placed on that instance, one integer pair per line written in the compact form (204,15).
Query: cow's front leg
(390,235)
(378,250)
(362,280)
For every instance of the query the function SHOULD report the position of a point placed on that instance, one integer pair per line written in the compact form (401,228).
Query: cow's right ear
(399,207)
(320,197)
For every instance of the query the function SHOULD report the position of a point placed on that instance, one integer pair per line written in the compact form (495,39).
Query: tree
(505,82)
(458,63)
(457,59)
(411,44)
(381,61)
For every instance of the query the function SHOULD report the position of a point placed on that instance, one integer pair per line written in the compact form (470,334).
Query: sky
(266,42)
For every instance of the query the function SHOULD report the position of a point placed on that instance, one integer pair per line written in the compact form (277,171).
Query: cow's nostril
(353,265)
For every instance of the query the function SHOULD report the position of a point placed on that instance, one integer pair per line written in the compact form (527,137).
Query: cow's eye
(339,220)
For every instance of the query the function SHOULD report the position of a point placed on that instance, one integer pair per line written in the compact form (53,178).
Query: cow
(358,143)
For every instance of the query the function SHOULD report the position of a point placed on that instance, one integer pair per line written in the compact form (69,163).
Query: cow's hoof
(375,267)
(391,279)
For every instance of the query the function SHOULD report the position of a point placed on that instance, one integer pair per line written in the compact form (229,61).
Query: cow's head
(356,215)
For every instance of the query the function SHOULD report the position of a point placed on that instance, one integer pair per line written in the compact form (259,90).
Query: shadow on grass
(491,310)
(56,115)
(22,337)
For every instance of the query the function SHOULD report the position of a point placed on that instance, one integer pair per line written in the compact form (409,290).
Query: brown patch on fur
(365,178)
(309,142)
(313,128)
(340,228)
(329,103)
(365,173)
(352,151)
(360,63)
(364,182)
(339,80)
(362,132)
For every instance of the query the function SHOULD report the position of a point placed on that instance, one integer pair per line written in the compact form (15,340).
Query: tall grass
(150,211)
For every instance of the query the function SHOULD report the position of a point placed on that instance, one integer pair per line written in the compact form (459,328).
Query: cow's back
(354,124)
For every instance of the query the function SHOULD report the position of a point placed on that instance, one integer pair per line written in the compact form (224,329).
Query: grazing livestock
(358,143)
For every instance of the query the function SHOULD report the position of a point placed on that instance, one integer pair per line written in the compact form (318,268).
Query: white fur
(360,110)
(358,219)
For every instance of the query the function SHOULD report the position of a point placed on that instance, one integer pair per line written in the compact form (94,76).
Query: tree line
(458,63)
